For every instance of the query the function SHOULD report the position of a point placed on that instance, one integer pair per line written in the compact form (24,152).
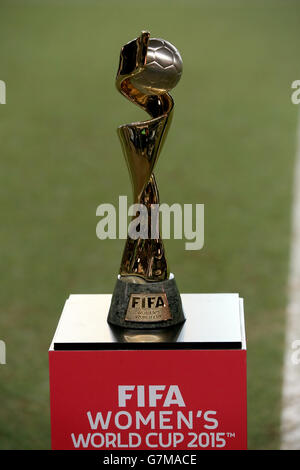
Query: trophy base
(152,305)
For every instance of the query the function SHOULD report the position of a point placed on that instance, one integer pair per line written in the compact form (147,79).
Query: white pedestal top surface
(211,319)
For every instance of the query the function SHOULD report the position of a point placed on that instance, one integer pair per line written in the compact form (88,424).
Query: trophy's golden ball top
(162,70)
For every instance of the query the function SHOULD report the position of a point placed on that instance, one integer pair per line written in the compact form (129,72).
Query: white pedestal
(204,360)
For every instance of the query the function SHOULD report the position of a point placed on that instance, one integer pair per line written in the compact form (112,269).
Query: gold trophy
(146,295)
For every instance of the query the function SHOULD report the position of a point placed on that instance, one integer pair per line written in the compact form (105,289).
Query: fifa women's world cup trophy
(146,295)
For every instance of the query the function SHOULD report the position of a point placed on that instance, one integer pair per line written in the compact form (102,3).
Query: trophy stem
(145,257)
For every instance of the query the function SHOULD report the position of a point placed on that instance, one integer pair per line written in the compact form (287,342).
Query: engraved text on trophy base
(148,308)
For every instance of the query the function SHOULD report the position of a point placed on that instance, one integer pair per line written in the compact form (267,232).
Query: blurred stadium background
(231,146)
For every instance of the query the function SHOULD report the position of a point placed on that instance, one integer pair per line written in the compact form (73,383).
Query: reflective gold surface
(167,335)
(146,85)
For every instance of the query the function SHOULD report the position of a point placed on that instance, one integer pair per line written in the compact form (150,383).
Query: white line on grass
(290,420)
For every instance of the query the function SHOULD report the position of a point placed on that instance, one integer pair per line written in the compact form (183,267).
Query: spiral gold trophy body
(146,295)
